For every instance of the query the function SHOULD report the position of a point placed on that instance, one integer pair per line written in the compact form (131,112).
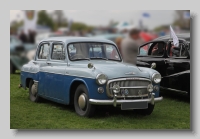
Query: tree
(59,18)
(45,19)
(180,21)
(80,27)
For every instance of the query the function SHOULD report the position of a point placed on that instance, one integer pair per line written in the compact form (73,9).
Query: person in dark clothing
(31,36)
(23,37)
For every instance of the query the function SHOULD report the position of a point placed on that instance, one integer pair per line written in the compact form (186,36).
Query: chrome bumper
(115,101)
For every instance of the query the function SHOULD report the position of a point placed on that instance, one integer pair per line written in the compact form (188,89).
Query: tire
(12,68)
(88,109)
(147,111)
(33,97)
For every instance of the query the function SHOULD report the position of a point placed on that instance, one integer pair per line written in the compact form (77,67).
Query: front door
(153,52)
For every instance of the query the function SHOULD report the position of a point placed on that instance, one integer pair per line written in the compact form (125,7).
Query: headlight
(101,79)
(156,78)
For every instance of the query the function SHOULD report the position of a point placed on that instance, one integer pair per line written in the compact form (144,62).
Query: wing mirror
(153,65)
(90,65)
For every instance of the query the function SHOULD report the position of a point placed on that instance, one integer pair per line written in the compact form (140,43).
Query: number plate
(134,105)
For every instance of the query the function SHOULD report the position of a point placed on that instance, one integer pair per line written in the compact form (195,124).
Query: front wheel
(147,111)
(32,93)
(81,102)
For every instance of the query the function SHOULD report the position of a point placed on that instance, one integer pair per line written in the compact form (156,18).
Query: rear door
(178,62)
(56,71)
(154,52)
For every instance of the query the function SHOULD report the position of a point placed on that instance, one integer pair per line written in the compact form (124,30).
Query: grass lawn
(171,113)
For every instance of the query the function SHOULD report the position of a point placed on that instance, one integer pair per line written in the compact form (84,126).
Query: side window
(44,51)
(157,49)
(180,51)
(144,50)
(58,52)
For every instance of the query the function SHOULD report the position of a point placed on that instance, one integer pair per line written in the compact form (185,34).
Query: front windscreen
(90,50)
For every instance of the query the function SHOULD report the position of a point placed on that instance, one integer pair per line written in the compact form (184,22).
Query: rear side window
(44,51)
(58,52)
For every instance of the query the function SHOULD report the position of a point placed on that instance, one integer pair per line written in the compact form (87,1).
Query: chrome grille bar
(133,85)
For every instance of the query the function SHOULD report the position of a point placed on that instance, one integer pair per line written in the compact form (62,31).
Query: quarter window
(58,52)
(44,51)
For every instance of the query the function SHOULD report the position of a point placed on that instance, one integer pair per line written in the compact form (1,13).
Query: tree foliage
(45,19)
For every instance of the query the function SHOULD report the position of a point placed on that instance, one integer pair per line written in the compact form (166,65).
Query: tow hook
(19,85)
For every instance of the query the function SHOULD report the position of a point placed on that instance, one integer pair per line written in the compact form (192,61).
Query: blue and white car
(86,72)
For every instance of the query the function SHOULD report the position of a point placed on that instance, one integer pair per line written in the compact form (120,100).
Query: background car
(20,53)
(173,63)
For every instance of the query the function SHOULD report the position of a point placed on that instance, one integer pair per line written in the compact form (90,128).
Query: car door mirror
(153,65)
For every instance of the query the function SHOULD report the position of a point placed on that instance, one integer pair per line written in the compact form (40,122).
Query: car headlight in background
(101,79)
(156,78)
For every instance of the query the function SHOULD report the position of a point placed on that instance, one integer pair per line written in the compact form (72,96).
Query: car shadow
(175,96)
(100,111)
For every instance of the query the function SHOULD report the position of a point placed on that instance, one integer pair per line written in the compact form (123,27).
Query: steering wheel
(74,56)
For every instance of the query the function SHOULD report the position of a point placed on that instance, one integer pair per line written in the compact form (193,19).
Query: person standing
(129,46)
(31,36)
(23,37)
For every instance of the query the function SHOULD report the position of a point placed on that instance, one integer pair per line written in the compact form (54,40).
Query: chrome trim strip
(62,74)
(111,102)
(180,91)
(138,96)
(135,87)
(138,87)
(124,79)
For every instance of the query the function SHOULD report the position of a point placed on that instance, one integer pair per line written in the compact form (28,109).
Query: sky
(102,18)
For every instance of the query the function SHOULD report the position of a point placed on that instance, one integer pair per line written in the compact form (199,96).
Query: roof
(69,39)
(185,36)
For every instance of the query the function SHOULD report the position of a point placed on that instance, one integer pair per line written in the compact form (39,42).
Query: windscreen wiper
(98,58)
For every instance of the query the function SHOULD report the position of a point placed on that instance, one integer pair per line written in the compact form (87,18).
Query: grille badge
(126,92)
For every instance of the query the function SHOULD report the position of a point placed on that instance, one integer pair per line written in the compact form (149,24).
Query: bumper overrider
(116,102)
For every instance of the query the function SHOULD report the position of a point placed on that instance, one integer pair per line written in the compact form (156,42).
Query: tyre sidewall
(89,107)
(31,96)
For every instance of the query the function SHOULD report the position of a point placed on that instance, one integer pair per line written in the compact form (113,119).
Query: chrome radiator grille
(137,87)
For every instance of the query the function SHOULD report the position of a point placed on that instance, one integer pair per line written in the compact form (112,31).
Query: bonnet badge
(130,73)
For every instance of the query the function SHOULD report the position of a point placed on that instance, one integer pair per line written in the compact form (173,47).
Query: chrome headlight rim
(98,79)
(153,78)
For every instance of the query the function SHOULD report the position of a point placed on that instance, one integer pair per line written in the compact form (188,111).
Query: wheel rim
(33,91)
(82,101)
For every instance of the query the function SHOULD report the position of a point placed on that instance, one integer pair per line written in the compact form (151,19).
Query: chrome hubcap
(33,91)
(82,101)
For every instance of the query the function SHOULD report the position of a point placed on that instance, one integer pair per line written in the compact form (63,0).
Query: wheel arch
(73,86)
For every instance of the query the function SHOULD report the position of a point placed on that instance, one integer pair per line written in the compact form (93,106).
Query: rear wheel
(147,111)
(81,102)
(33,96)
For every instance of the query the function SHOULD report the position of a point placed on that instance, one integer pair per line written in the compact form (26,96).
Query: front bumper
(115,102)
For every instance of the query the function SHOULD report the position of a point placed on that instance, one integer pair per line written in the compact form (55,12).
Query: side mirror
(90,65)
(153,65)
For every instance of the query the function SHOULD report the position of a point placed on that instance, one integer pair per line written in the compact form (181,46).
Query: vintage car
(173,63)
(20,53)
(83,71)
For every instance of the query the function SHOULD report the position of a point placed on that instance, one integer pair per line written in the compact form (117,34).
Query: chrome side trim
(111,102)
(62,74)
(124,79)
(180,91)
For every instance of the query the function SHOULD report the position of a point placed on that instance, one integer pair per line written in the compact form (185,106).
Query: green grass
(172,113)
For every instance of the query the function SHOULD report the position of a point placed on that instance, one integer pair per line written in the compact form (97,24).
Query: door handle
(48,63)
(166,60)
